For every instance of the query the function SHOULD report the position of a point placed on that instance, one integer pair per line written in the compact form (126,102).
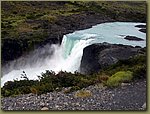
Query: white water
(67,56)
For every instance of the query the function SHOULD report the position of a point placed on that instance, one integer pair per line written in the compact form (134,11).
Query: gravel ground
(131,96)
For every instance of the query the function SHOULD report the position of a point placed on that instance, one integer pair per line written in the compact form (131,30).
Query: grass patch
(24,27)
(50,18)
(119,77)
(83,93)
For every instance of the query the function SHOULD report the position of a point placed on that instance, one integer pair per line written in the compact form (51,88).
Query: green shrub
(139,71)
(118,78)
(5,93)
(50,18)
(33,90)
(47,82)
(74,88)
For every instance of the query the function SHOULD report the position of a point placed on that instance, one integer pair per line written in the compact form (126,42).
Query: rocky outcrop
(133,38)
(102,55)
(142,28)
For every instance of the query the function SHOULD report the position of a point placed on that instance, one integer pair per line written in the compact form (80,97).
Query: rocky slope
(129,96)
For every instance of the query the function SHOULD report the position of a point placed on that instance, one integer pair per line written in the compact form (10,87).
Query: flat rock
(44,108)
(144,106)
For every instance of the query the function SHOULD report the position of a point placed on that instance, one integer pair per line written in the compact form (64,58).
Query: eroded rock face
(102,55)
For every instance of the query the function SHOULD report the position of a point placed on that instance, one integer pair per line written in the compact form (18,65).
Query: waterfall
(67,56)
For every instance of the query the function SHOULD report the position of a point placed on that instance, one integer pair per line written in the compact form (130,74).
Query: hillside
(29,25)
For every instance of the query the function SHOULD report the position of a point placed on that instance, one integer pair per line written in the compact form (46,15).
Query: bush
(102,77)
(47,82)
(118,78)
(30,16)
(33,90)
(50,18)
(74,88)
(139,72)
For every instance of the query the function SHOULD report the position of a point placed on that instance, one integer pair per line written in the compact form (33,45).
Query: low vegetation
(122,71)
(119,77)
(83,93)
(137,65)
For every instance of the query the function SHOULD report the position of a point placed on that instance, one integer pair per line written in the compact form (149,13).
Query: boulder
(143,30)
(134,38)
(144,106)
(101,55)
(141,26)
(44,108)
